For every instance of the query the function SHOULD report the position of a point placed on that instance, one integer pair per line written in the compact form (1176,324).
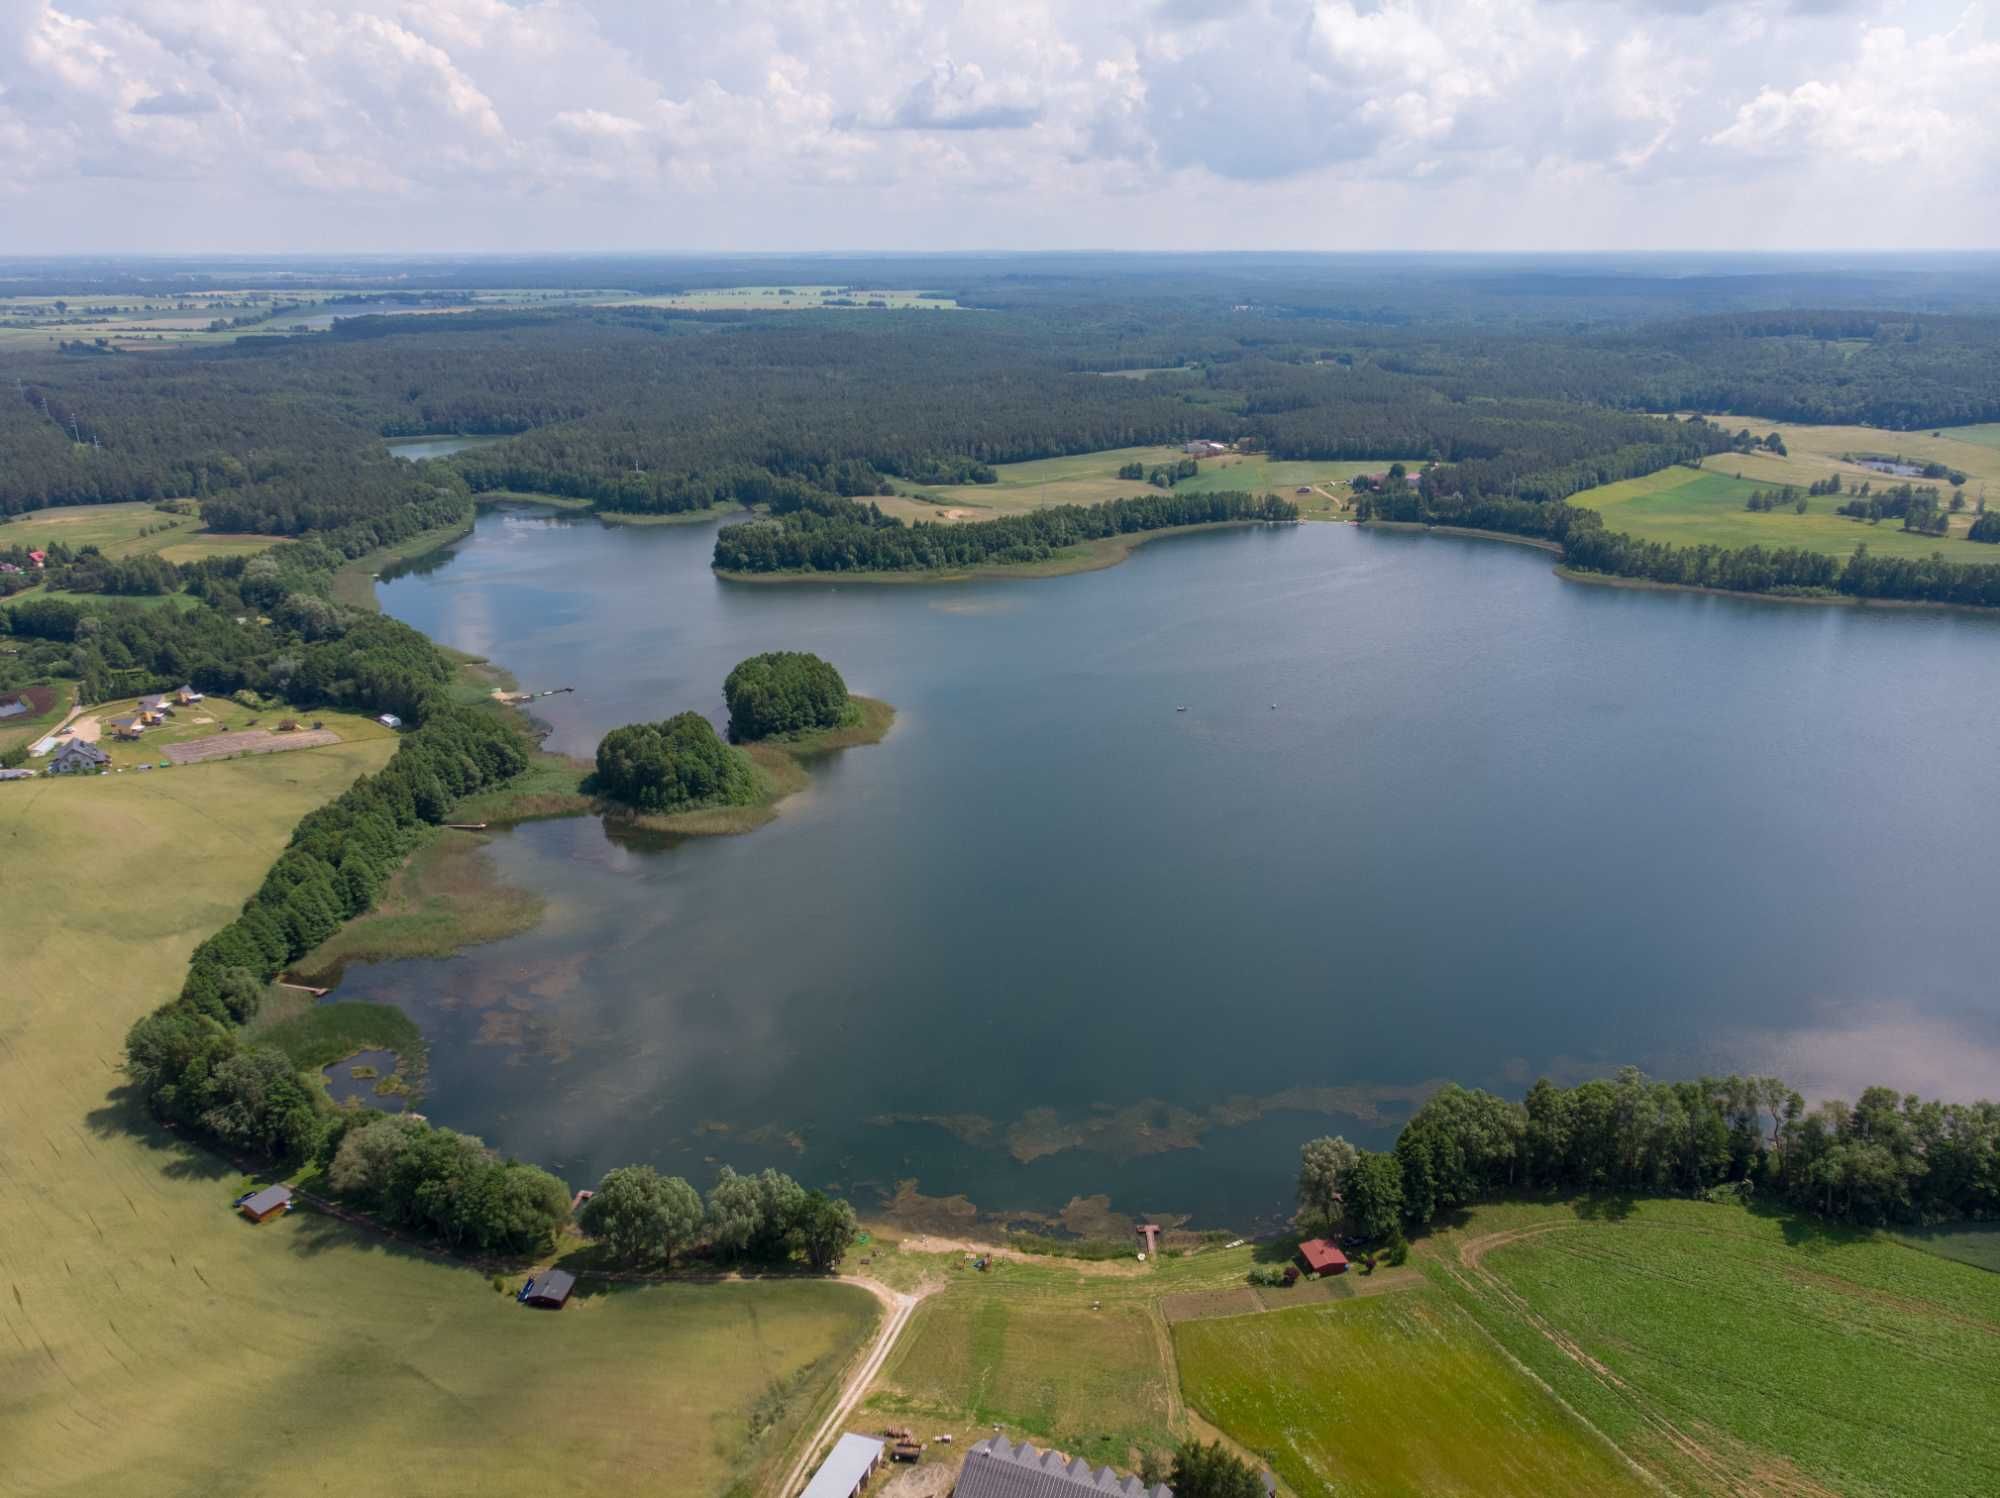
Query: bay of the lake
(1430,813)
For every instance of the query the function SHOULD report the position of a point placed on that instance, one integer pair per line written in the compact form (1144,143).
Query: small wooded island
(784,708)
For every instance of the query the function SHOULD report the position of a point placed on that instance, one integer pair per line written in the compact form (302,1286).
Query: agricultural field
(129,530)
(1092,478)
(159,1343)
(1730,1351)
(1397,1393)
(47,705)
(1704,507)
(1023,1349)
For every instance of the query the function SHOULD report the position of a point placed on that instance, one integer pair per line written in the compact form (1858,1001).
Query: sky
(202,126)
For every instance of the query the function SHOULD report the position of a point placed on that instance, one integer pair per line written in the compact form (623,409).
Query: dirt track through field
(1766,1475)
(900,1307)
(248,741)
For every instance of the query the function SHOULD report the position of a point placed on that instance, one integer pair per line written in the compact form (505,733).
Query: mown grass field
(152,1342)
(1397,1393)
(1024,1350)
(1734,1352)
(1092,478)
(1697,507)
(115,531)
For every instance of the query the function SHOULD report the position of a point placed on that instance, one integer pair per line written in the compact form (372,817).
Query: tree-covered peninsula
(785,692)
(811,534)
(679,765)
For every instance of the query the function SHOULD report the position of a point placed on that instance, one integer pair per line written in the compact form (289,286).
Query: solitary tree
(1212,1472)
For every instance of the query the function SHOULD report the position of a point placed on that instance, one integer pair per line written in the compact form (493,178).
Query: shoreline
(1821,600)
(1538,543)
(1087,556)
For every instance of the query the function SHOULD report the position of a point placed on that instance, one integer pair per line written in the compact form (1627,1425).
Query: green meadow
(1733,1351)
(1396,1393)
(1704,507)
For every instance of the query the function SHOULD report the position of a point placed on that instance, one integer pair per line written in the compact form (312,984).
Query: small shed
(390,720)
(549,1290)
(846,1468)
(269,1202)
(1322,1256)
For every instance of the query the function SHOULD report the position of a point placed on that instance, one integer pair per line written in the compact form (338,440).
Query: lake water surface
(1431,813)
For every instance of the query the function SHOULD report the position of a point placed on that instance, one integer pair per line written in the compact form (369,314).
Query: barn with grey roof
(999,1468)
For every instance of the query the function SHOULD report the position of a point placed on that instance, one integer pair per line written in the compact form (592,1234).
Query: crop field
(1973,450)
(1389,1394)
(129,530)
(155,1342)
(1697,507)
(1733,1352)
(1980,436)
(1033,1356)
(1092,478)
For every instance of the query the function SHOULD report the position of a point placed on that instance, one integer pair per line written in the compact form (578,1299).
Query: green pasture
(1026,1351)
(1987,435)
(1723,1348)
(1092,478)
(116,530)
(1704,507)
(157,1342)
(1396,1393)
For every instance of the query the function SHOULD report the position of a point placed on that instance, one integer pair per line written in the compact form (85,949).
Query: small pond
(355,1080)
(415,448)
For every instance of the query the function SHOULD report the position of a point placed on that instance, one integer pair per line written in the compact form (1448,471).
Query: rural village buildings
(846,1468)
(78,758)
(998,1468)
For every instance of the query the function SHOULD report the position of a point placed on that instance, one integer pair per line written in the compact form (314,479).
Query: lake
(1431,813)
(414,448)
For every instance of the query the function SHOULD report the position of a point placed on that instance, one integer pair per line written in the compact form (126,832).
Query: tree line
(846,536)
(1884,1159)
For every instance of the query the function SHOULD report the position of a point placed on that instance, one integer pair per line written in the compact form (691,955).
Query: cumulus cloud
(802,123)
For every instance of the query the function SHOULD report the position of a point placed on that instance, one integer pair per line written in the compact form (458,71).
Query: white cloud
(932,123)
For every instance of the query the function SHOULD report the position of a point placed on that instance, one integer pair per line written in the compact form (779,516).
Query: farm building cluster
(995,1468)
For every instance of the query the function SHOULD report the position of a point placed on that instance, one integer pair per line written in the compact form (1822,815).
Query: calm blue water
(1431,813)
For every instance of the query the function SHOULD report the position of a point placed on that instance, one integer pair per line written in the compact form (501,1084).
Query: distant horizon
(1448,126)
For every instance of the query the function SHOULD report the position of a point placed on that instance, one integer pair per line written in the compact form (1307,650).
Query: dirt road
(899,1307)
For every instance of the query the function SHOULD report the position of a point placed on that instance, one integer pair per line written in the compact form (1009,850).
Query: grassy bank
(1538,543)
(680,517)
(1091,556)
(354,584)
(204,1354)
(446,897)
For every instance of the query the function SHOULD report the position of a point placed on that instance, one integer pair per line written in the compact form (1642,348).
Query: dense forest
(1883,1159)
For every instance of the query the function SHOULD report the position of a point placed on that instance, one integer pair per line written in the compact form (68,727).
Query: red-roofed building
(1322,1256)
(38,557)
